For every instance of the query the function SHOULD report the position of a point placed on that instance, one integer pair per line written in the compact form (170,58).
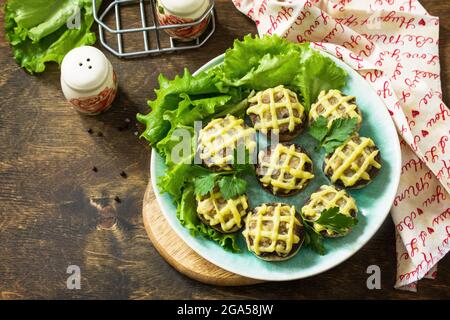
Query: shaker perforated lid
(84,68)
(186,7)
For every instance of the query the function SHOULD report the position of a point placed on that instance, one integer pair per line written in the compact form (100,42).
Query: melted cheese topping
(219,139)
(216,210)
(274,109)
(352,161)
(328,197)
(271,229)
(333,105)
(285,169)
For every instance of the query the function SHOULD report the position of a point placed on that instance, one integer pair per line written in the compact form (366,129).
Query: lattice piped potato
(225,216)
(354,164)
(274,231)
(284,169)
(333,105)
(220,138)
(327,197)
(278,111)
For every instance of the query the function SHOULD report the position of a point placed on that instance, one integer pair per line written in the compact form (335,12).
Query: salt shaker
(88,80)
(183,11)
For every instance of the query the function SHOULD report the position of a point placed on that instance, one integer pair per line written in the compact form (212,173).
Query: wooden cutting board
(178,254)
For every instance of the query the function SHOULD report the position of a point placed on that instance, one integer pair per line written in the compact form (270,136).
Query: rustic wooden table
(49,194)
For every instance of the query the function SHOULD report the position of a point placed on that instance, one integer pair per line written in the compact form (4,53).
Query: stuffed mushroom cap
(225,216)
(220,138)
(334,105)
(274,231)
(284,169)
(277,111)
(325,198)
(353,164)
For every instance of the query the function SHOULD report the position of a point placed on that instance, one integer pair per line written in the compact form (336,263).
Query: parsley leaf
(340,130)
(334,220)
(230,183)
(329,139)
(232,186)
(204,184)
(313,239)
(331,145)
(330,219)
(318,129)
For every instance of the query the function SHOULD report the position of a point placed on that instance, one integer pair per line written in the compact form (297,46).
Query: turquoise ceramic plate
(374,201)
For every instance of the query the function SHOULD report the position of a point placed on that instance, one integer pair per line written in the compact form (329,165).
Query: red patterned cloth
(393,44)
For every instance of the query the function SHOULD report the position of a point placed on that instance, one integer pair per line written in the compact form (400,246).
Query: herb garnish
(313,239)
(332,220)
(339,131)
(230,183)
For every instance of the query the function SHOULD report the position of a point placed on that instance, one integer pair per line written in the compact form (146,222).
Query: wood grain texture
(175,251)
(55,211)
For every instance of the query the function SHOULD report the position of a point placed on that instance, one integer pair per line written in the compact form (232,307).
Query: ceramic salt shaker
(88,80)
(172,12)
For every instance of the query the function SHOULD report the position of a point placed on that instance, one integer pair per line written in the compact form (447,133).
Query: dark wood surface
(56,211)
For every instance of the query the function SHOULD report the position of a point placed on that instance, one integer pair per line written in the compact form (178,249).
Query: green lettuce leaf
(317,73)
(260,63)
(186,99)
(175,145)
(168,96)
(178,176)
(246,55)
(187,215)
(38,33)
(190,110)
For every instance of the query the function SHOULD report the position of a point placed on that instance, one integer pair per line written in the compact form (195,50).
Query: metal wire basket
(153,40)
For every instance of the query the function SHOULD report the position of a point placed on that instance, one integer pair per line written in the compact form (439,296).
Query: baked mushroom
(284,169)
(274,231)
(354,164)
(225,216)
(220,138)
(277,111)
(327,197)
(333,105)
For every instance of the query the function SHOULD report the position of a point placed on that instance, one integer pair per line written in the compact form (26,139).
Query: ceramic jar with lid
(88,80)
(172,12)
